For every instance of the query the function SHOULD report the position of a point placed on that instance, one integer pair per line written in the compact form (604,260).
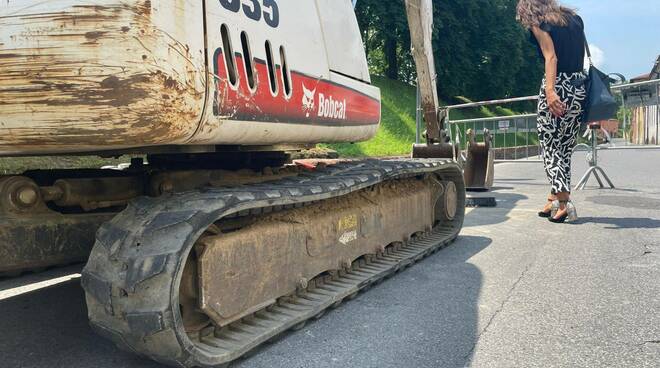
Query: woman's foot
(547,210)
(565,212)
(561,215)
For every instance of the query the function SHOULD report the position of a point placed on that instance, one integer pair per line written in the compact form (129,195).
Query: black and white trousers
(558,135)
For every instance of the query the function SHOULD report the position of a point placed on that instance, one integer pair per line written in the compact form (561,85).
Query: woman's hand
(557,107)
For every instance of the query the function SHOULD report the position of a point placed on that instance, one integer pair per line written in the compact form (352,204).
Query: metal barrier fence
(513,134)
(516,135)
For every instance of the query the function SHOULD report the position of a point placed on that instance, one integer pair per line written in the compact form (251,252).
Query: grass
(18,165)
(397,131)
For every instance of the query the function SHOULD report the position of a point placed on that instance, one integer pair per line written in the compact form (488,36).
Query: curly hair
(531,13)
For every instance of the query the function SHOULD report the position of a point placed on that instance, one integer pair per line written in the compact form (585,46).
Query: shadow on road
(621,223)
(425,317)
(49,328)
(492,216)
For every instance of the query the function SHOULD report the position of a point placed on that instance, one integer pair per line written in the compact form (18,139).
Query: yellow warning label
(348,222)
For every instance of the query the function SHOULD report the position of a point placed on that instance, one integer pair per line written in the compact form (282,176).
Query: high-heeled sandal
(570,215)
(546,214)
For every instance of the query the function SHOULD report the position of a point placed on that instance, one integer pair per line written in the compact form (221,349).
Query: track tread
(128,279)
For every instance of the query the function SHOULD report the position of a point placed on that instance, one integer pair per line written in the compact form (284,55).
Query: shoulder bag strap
(586,46)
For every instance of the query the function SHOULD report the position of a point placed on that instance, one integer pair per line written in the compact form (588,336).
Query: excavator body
(117,75)
(212,241)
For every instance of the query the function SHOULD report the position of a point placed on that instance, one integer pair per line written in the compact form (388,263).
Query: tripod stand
(593,162)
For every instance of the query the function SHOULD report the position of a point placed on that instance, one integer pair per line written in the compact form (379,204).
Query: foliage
(480,50)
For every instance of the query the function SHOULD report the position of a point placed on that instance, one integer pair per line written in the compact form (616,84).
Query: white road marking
(10,293)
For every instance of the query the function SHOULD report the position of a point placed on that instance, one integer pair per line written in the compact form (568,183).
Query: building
(643,104)
(654,74)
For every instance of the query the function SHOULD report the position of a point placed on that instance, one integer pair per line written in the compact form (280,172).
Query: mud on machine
(211,242)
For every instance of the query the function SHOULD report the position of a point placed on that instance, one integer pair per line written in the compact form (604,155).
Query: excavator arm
(420,20)
(479,164)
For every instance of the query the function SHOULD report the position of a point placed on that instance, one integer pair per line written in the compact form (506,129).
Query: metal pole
(645,138)
(594,144)
(495,119)
(619,87)
(450,128)
(505,147)
(641,128)
(418,118)
(527,137)
(625,115)
(496,130)
(657,113)
(515,141)
(483,130)
(493,102)
(634,85)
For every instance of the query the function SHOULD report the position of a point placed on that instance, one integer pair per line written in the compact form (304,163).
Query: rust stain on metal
(145,8)
(96,75)
(95,35)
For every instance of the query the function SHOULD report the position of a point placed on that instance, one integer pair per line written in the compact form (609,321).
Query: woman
(559,34)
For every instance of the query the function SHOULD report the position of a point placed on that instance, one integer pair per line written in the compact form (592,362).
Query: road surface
(513,291)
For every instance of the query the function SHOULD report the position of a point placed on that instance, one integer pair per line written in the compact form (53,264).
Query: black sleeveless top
(569,44)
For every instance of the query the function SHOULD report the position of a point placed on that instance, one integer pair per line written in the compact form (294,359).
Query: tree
(480,50)
(386,36)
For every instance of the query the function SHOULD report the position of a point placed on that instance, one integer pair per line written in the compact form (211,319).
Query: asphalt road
(513,291)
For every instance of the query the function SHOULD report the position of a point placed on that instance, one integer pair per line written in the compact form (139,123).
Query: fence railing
(515,136)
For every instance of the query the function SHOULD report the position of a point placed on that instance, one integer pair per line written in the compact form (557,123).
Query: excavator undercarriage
(198,267)
(203,277)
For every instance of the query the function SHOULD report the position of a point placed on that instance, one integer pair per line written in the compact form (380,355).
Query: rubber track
(131,278)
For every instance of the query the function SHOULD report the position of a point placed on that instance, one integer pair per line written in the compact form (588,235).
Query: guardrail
(516,136)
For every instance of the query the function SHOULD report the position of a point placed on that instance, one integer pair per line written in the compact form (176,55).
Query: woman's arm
(557,107)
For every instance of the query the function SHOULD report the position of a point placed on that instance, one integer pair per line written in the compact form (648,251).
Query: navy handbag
(600,104)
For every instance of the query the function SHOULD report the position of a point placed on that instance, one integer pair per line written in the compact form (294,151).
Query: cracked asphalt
(513,291)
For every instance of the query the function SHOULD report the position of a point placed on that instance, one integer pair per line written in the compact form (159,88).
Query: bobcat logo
(308,100)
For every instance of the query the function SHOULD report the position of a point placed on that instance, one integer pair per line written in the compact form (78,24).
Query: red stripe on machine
(313,101)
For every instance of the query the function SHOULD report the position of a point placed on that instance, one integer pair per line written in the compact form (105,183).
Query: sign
(504,124)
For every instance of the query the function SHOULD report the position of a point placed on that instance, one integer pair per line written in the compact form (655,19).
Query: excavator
(212,241)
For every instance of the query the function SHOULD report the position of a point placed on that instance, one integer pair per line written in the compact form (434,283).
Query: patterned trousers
(558,135)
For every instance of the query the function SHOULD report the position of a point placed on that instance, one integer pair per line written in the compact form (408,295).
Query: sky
(624,34)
